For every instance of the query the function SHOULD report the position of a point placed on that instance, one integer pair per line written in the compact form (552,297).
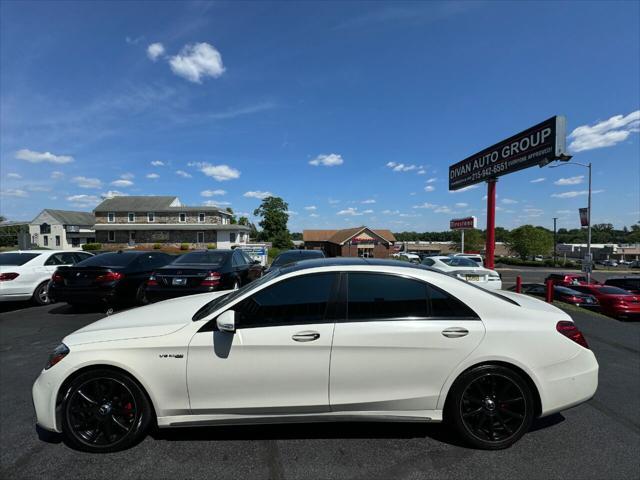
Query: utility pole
(555,242)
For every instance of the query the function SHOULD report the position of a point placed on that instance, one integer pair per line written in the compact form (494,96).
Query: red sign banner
(462,223)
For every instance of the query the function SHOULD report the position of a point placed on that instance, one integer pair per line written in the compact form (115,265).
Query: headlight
(58,354)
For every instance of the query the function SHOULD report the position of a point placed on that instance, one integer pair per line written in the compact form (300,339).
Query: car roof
(38,251)
(350,261)
(625,277)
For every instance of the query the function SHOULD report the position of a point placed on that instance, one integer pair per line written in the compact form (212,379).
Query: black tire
(105,411)
(141,296)
(41,295)
(491,407)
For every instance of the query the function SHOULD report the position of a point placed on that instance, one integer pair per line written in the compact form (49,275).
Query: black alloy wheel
(141,295)
(492,407)
(105,411)
(41,294)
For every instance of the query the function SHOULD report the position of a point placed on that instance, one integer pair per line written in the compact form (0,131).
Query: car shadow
(546,422)
(66,309)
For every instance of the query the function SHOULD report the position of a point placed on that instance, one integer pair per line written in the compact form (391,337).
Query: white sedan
(24,275)
(320,340)
(465,269)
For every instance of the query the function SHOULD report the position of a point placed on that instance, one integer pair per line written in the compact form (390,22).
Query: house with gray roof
(147,220)
(62,229)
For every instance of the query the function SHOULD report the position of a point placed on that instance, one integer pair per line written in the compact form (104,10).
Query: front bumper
(44,392)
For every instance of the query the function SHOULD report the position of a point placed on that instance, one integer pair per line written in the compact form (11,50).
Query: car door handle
(307,336)
(455,332)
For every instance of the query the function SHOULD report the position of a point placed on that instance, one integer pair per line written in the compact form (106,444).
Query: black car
(291,256)
(202,271)
(109,279)
(562,294)
(630,283)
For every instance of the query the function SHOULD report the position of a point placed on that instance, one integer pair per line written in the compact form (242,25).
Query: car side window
(295,301)
(55,259)
(247,258)
(238,259)
(68,258)
(378,296)
(444,305)
(79,256)
(428,261)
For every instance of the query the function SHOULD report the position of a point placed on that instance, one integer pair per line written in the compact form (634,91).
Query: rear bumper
(157,294)
(82,295)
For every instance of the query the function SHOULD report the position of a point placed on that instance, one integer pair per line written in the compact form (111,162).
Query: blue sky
(352,112)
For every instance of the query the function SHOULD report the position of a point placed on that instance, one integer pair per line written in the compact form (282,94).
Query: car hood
(154,320)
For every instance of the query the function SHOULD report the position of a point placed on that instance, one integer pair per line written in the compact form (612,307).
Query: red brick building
(350,242)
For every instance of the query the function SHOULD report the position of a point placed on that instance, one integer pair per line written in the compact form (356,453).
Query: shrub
(157,246)
(184,246)
(92,246)
(273,253)
(212,246)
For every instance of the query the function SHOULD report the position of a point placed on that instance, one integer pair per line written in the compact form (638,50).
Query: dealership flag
(584,217)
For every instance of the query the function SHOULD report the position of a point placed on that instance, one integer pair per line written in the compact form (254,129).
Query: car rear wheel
(41,294)
(105,411)
(491,407)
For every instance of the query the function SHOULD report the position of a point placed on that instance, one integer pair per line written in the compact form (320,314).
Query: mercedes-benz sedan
(320,340)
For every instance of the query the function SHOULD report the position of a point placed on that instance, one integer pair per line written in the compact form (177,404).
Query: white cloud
(537,180)
(349,211)
(196,61)
(428,205)
(83,201)
(464,189)
(57,175)
(368,201)
(291,212)
(606,133)
(211,193)
(127,176)
(509,201)
(367,212)
(183,174)
(314,215)
(14,175)
(38,157)
(462,205)
(122,183)
(38,188)
(432,180)
(333,201)
(401,167)
(429,188)
(311,208)
(391,212)
(14,192)
(443,209)
(214,203)
(153,175)
(331,160)
(157,163)
(570,180)
(220,173)
(422,171)
(113,193)
(257,194)
(575,193)
(154,51)
(84,182)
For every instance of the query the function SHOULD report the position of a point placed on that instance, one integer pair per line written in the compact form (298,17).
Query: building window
(45,240)
(151,217)
(111,217)
(131,217)
(200,237)
(57,240)
(182,217)
(75,242)
(201,217)
(232,237)
(111,236)
(45,228)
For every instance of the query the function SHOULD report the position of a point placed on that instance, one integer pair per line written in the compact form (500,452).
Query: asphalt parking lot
(599,439)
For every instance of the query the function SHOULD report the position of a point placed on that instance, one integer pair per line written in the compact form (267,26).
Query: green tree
(243,221)
(273,211)
(233,219)
(473,240)
(527,241)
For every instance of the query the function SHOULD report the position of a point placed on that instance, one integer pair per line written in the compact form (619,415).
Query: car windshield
(295,256)
(208,257)
(459,262)
(16,258)
(221,301)
(567,291)
(108,260)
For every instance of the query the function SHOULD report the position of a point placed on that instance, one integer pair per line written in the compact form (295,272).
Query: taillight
(110,277)
(152,281)
(57,278)
(622,302)
(4,277)
(211,280)
(569,330)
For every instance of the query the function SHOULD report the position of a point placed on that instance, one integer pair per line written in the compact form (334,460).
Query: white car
(465,269)
(472,256)
(321,340)
(24,275)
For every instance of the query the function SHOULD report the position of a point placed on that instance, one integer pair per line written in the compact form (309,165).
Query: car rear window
(459,262)
(108,260)
(16,259)
(290,257)
(613,291)
(209,258)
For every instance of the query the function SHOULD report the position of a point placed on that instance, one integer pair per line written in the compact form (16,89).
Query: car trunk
(188,277)
(83,276)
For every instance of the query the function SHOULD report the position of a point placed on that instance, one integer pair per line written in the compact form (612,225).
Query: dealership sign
(537,145)
(462,223)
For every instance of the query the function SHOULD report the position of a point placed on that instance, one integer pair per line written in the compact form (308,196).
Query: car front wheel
(41,294)
(491,407)
(105,411)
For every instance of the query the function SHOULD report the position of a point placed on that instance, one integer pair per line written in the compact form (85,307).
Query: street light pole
(555,242)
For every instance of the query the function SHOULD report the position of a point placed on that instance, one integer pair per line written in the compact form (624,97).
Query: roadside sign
(587,267)
(537,145)
(257,251)
(463,223)
(584,217)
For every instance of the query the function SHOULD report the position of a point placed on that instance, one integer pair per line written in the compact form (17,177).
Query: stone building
(62,229)
(147,220)
(350,242)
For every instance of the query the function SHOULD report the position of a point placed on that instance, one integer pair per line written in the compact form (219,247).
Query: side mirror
(226,321)
(255,262)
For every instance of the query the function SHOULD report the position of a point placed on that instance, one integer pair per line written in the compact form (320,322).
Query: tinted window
(81,256)
(428,262)
(373,296)
(238,259)
(16,258)
(624,282)
(565,290)
(299,300)
(246,257)
(459,262)
(66,258)
(444,305)
(108,260)
(613,291)
(295,256)
(210,257)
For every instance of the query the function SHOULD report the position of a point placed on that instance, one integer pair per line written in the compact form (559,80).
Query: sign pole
(462,243)
(490,246)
